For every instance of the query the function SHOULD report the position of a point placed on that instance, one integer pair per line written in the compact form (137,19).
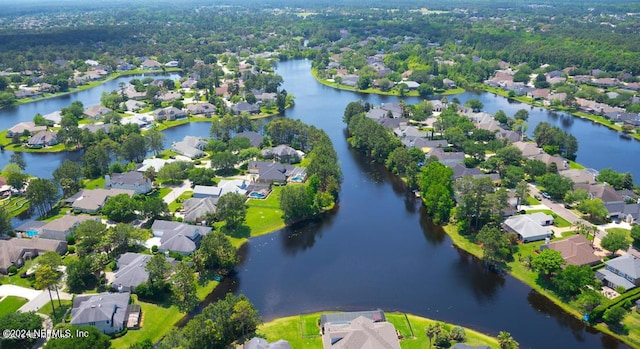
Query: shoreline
(375,91)
(299,330)
(93,84)
(596,119)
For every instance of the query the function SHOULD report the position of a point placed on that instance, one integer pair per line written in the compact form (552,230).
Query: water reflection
(473,275)
(303,236)
(433,233)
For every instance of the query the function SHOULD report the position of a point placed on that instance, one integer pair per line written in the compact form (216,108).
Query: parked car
(546,195)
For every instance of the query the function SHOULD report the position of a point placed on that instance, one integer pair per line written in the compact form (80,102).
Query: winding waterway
(377,249)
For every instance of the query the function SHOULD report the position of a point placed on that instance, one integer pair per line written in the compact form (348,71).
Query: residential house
(14,252)
(575,250)
(178,237)
(131,93)
(194,209)
(528,149)
(238,186)
(260,343)
(527,228)
(151,64)
(622,272)
(24,93)
(242,107)
(189,83)
(19,129)
(156,163)
(408,131)
(540,93)
(130,180)
(204,108)
(169,96)
(349,330)
(190,146)
(55,117)
(172,64)
(394,108)
(133,105)
(580,176)
(109,312)
(140,120)
(412,85)
(131,271)
(90,201)
(57,229)
(93,128)
(43,139)
(613,201)
(447,158)
(274,172)
(282,153)
(254,138)
(391,123)
(561,163)
(377,113)
(96,112)
(168,113)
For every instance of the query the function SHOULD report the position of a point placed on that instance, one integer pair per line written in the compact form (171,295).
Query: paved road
(559,209)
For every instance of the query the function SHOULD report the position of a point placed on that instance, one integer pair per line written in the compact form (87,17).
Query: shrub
(458,334)
(71,249)
(13,270)
(154,248)
(71,240)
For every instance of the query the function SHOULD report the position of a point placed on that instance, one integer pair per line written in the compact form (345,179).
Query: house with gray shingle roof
(254,138)
(106,311)
(201,108)
(168,113)
(87,200)
(190,146)
(260,343)
(282,153)
(96,111)
(178,237)
(195,209)
(14,252)
(623,272)
(274,172)
(527,227)
(132,271)
(130,180)
(242,107)
(43,139)
(359,333)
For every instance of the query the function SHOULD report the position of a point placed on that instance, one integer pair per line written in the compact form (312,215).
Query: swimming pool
(257,195)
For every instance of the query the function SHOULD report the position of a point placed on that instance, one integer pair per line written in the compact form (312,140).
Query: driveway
(19,291)
(177,191)
(42,299)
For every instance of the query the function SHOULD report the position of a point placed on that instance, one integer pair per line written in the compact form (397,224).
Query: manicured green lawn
(557,220)
(15,205)
(157,320)
(60,311)
(177,203)
(531,201)
(10,304)
(160,192)
(265,216)
(575,166)
(94,183)
(620,230)
(632,320)
(462,241)
(16,279)
(302,331)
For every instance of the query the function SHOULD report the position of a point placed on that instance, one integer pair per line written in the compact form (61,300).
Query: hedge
(597,312)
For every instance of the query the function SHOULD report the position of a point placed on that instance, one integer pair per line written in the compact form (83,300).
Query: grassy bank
(520,271)
(95,83)
(302,331)
(530,101)
(378,91)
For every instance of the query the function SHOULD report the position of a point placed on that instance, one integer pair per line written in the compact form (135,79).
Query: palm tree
(506,341)
(432,331)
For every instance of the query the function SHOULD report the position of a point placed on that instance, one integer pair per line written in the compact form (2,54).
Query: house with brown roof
(579,176)
(57,229)
(43,139)
(575,250)
(561,163)
(15,252)
(362,332)
(18,129)
(96,111)
(528,149)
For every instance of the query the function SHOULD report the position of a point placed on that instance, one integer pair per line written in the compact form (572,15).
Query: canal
(377,249)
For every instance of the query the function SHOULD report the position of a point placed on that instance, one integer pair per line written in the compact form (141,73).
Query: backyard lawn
(10,304)
(302,331)
(177,203)
(265,215)
(156,321)
(557,220)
